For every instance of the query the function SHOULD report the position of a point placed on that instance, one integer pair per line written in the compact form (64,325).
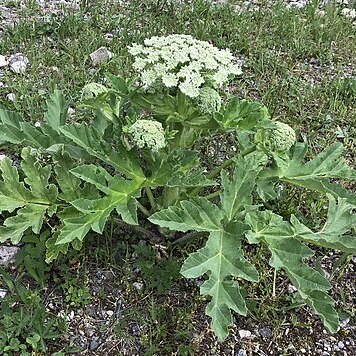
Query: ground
(122,295)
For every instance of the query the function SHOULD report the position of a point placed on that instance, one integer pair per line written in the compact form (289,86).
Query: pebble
(344,322)
(18,63)
(7,253)
(94,345)
(241,352)
(11,97)
(3,293)
(3,61)
(244,334)
(110,313)
(102,54)
(265,332)
(340,345)
(137,285)
(291,288)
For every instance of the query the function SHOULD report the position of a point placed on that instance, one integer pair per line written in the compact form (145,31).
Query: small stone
(18,63)
(71,111)
(340,345)
(2,84)
(291,288)
(3,293)
(110,313)
(100,55)
(240,352)
(303,351)
(265,332)
(325,353)
(137,285)
(7,253)
(94,345)
(11,97)
(244,334)
(3,61)
(344,322)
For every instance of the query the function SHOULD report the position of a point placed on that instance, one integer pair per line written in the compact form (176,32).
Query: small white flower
(170,80)
(189,89)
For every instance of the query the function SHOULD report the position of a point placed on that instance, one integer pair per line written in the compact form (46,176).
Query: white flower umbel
(183,62)
(147,133)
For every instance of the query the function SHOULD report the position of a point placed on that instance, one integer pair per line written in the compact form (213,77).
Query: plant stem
(212,195)
(225,164)
(274,283)
(143,209)
(151,198)
(187,237)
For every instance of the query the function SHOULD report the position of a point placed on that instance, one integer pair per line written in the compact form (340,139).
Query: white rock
(11,97)
(2,157)
(18,63)
(291,288)
(244,334)
(138,285)
(110,313)
(341,345)
(7,254)
(3,293)
(100,55)
(3,61)
(71,111)
(2,84)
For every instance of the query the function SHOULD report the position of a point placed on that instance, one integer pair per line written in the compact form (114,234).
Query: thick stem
(225,164)
(151,198)
(187,237)
(143,209)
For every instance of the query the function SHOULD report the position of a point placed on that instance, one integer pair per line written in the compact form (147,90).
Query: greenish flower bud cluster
(208,101)
(181,61)
(92,90)
(278,139)
(147,133)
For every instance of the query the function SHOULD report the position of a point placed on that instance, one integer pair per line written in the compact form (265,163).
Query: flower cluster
(181,61)
(278,139)
(208,101)
(147,133)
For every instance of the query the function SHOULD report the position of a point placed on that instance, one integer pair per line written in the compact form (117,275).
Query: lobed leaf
(89,138)
(236,193)
(57,110)
(222,258)
(34,201)
(197,214)
(341,219)
(288,254)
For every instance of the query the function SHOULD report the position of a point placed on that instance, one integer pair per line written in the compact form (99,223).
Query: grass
(294,63)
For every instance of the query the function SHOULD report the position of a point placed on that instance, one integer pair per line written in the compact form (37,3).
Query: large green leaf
(222,258)
(242,114)
(288,254)
(88,138)
(340,220)
(236,193)
(197,214)
(316,174)
(34,200)
(57,109)
(119,194)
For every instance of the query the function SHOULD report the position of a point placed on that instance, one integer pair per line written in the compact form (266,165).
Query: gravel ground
(92,327)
